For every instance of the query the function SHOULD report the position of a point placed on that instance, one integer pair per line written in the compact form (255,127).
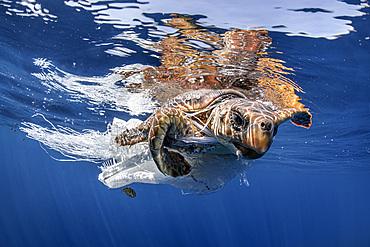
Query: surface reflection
(196,58)
(290,16)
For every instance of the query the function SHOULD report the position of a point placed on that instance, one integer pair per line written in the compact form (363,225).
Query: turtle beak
(257,140)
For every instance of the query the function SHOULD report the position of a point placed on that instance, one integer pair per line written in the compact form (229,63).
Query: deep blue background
(310,189)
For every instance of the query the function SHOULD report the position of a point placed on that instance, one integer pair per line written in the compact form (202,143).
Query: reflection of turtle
(245,128)
(222,109)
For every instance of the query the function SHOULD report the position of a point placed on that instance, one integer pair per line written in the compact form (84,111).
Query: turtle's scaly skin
(246,128)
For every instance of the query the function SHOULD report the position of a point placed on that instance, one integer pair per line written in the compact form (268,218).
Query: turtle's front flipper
(302,119)
(167,122)
(299,117)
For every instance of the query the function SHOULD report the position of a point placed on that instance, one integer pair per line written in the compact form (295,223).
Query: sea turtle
(245,128)
(229,101)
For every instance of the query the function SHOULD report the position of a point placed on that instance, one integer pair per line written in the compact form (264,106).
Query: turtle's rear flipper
(167,122)
(174,164)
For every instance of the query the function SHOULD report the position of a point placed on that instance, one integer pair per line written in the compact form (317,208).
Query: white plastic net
(122,166)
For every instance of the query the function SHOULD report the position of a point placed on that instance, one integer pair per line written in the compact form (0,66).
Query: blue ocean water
(310,189)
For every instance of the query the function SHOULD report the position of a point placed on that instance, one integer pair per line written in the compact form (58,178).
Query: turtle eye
(237,121)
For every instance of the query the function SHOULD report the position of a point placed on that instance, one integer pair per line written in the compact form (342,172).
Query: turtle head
(246,128)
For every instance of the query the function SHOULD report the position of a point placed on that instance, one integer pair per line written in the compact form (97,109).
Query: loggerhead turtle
(242,127)
(221,111)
